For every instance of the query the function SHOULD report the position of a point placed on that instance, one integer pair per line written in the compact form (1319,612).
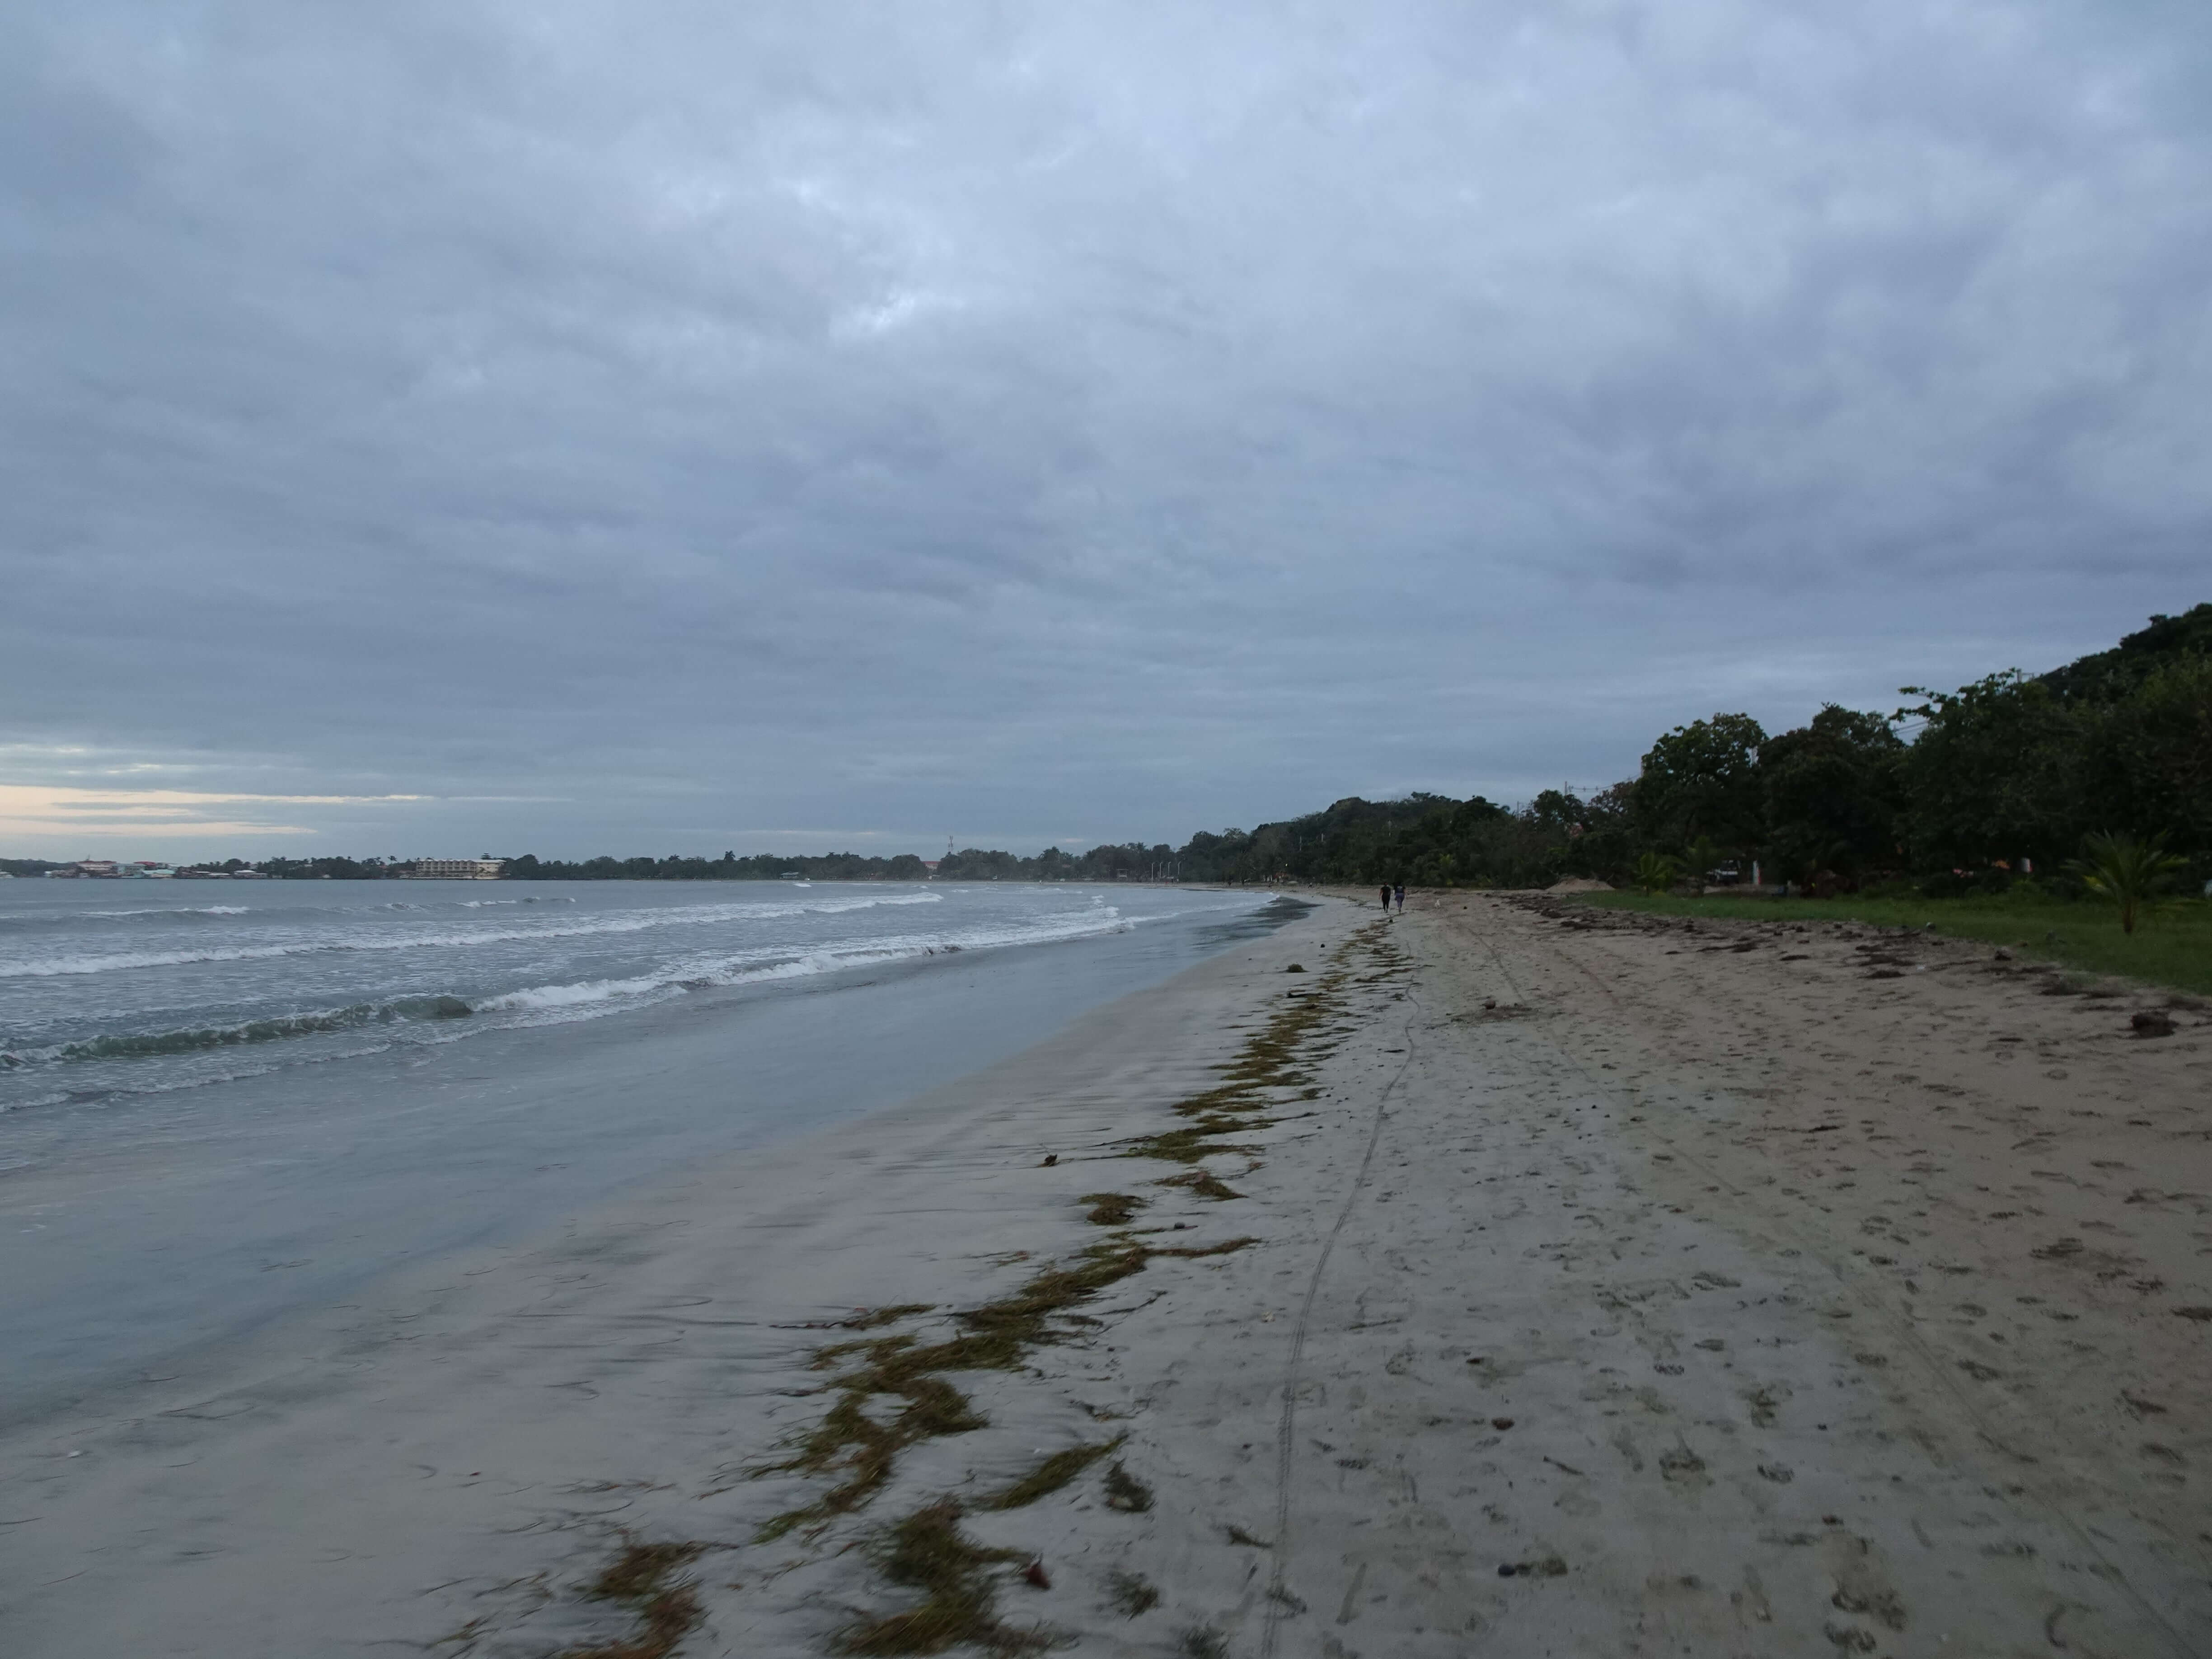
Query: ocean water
(113,988)
(225,1104)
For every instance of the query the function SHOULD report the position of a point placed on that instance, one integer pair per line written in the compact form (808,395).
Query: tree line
(1956,791)
(1977,789)
(1974,789)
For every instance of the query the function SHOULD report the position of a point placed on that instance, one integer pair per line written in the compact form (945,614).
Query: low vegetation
(2137,876)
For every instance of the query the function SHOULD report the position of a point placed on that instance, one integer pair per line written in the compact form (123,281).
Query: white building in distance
(456,869)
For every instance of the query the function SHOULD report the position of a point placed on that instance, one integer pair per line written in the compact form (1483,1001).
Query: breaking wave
(64,918)
(636,921)
(584,997)
(581,1000)
(322,984)
(198,1038)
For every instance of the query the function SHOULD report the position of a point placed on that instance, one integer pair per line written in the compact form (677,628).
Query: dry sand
(1611,1290)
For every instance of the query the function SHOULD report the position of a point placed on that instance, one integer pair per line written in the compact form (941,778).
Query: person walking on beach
(1402,898)
(1386,898)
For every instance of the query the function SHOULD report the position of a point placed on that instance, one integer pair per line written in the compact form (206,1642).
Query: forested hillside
(1960,789)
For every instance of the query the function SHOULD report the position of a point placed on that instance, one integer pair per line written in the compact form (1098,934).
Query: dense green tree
(315,869)
(2147,756)
(2110,675)
(1702,779)
(1833,794)
(1994,774)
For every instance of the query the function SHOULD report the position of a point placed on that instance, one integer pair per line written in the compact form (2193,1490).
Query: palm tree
(1655,871)
(2132,873)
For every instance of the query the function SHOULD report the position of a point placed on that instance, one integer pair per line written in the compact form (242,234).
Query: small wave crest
(164,910)
(67,918)
(539,998)
(197,1039)
(587,999)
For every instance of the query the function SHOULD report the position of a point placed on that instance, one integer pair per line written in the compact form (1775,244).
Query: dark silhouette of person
(1386,898)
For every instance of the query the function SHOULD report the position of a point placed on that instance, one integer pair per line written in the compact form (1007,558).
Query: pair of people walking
(1397,893)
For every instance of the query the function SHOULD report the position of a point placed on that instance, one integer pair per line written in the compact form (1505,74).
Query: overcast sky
(455,426)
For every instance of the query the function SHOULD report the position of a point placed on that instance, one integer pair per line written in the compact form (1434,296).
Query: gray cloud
(1067,423)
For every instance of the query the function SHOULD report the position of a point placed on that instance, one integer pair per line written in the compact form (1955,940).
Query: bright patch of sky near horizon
(552,428)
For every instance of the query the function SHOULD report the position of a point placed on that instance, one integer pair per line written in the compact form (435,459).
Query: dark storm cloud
(1062,422)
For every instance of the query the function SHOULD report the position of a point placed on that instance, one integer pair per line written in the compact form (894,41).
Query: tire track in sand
(1280,1600)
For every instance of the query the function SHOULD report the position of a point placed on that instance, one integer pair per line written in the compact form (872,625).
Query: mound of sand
(1579,884)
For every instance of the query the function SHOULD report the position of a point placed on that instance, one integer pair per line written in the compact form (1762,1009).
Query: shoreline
(148,1227)
(467,1408)
(1585,1288)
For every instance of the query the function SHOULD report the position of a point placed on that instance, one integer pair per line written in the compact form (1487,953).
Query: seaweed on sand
(1268,1061)
(667,1607)
(1049,1476)
(1125,1492)
(1205,1184)
(870,1319)
(1188,1146)
(993,1337)
(1130,1594)
(928,1552)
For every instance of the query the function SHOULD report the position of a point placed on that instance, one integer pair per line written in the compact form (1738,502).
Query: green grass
(2174,949)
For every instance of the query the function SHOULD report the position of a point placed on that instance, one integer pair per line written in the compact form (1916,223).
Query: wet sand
(146,1232)
(1588,1288)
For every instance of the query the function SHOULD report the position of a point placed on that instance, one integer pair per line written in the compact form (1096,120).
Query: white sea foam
(589,999)
(337,973)
(560,1004)
(149,910)
(584,994)
(632,921)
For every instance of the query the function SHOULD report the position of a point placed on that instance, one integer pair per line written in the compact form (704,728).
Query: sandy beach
(1509,1280)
